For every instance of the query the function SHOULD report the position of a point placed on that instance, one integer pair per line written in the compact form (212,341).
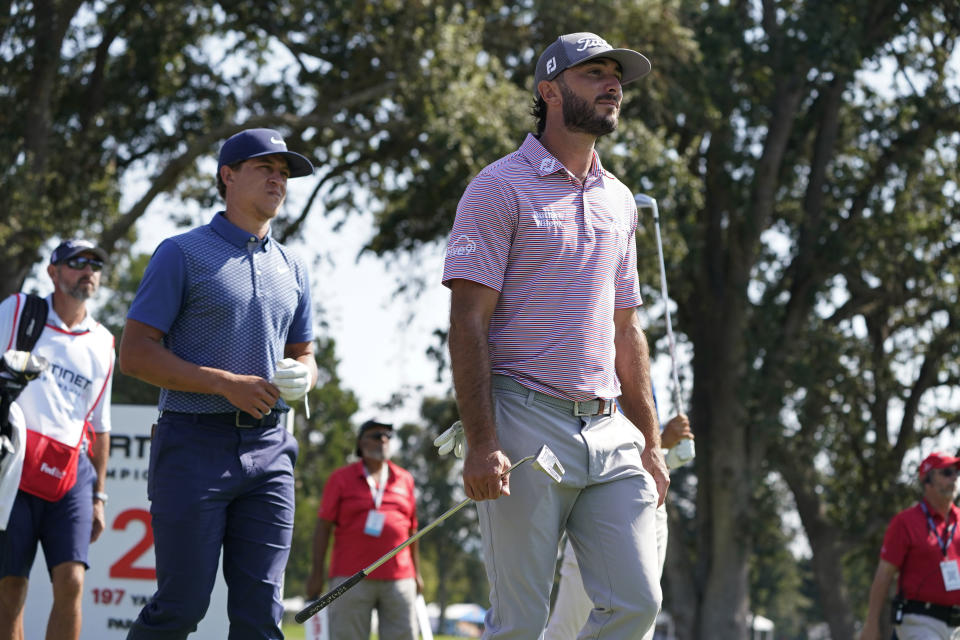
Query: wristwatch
(101,496)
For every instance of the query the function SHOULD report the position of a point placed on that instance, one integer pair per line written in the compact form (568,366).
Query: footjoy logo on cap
(589,43)
(551,65)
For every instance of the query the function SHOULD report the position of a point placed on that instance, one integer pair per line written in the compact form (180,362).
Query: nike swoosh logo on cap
(276,140)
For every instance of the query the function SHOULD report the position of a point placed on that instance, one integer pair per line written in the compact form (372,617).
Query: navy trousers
(214,486)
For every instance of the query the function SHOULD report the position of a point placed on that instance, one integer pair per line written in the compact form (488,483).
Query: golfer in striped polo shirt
(544,335)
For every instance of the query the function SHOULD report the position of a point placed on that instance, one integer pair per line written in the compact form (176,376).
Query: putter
(544,460)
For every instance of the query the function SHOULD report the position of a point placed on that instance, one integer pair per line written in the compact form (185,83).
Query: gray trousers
(572,606)
(917,627)
(606,502)
(349,615)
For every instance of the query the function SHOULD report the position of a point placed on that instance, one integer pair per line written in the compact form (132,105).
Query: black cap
(70,248)
(366,426)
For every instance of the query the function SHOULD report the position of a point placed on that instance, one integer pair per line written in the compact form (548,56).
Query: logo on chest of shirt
(548,218)
(462,246)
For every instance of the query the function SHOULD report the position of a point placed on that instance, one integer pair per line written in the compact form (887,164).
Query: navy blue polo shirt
(225,299)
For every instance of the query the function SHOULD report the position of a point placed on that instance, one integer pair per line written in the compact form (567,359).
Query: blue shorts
(62,527)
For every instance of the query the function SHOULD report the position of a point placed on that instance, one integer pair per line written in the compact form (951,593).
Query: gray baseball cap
(573,48)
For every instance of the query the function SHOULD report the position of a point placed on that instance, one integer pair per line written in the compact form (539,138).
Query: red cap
(937,460)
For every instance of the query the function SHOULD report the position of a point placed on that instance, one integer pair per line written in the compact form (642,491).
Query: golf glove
(680,454)
(292,378)
(451,440)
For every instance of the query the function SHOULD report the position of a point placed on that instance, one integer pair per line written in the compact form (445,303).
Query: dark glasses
(81,262)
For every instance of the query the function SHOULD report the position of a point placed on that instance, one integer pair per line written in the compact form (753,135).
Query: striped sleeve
(479,245)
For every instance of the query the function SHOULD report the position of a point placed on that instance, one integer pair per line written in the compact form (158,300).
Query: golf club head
(646,202)
(546,461)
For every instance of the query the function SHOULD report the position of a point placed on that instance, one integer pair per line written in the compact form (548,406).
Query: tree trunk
(724,490)
(828,551)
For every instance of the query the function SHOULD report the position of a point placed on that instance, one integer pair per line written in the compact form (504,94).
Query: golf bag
(20,367)
(17,368)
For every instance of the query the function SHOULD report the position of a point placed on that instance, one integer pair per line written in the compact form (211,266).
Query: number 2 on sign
(108,596)
(123,568)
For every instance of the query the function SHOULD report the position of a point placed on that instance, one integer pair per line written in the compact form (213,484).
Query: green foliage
(809,215)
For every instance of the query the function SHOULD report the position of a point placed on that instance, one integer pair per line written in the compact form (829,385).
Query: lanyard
(377,492)
(947,538)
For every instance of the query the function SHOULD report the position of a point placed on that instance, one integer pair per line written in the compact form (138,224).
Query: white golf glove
(292,378)
(680,454)
(451,440)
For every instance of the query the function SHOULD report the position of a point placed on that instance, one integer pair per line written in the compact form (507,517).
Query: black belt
(943,612)
(240,419)
(595,407)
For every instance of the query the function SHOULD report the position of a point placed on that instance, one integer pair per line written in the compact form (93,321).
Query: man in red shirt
(372,506)
(921,545)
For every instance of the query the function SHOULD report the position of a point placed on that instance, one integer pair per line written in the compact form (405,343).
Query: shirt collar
(544,163)
(234,234)
(936,514)
(87,324)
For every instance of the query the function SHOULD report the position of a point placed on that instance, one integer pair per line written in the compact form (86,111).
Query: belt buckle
(577,411)
(237,423)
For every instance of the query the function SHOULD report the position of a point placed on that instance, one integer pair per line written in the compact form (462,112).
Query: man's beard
(579,115)
(82,291)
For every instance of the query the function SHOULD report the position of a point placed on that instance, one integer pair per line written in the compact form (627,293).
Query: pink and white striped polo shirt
(563,257)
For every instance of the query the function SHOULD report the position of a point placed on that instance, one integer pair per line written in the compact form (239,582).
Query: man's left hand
(292,378)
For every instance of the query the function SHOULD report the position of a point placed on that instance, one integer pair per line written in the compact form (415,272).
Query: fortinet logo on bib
(589,43)
(50,471)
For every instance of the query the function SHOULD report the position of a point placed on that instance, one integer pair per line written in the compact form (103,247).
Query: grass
(297,632)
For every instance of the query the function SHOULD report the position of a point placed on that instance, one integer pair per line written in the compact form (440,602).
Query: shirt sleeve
(895,542)
(301,327)
(330,501)
(628,282)
(479,245)
(100,418)
(163,288)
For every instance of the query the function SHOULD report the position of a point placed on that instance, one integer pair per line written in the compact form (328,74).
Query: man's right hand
(252,394)
(314,585)
(483,473)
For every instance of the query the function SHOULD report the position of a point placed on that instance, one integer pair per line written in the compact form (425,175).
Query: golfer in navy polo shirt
(222,323)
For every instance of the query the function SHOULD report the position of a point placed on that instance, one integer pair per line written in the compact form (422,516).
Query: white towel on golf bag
(11,466)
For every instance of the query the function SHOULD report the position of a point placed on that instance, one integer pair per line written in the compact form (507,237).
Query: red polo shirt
(913,548)
(346,503)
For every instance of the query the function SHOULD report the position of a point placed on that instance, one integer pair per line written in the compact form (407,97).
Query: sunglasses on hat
(78,263)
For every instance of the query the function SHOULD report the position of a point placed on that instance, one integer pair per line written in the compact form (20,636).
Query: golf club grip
(311,610)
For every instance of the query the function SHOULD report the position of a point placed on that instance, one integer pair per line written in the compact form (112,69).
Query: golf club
(684,450)
(544,460)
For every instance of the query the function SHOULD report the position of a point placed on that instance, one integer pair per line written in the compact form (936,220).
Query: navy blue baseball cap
(253,143)
(574,48)
(70,248)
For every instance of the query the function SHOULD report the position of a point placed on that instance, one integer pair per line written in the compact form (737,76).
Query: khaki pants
(393,599)
(607,504)
(918,627)
(572,606)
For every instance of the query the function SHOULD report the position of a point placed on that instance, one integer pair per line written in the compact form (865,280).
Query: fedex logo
(50,471)
(589,43)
